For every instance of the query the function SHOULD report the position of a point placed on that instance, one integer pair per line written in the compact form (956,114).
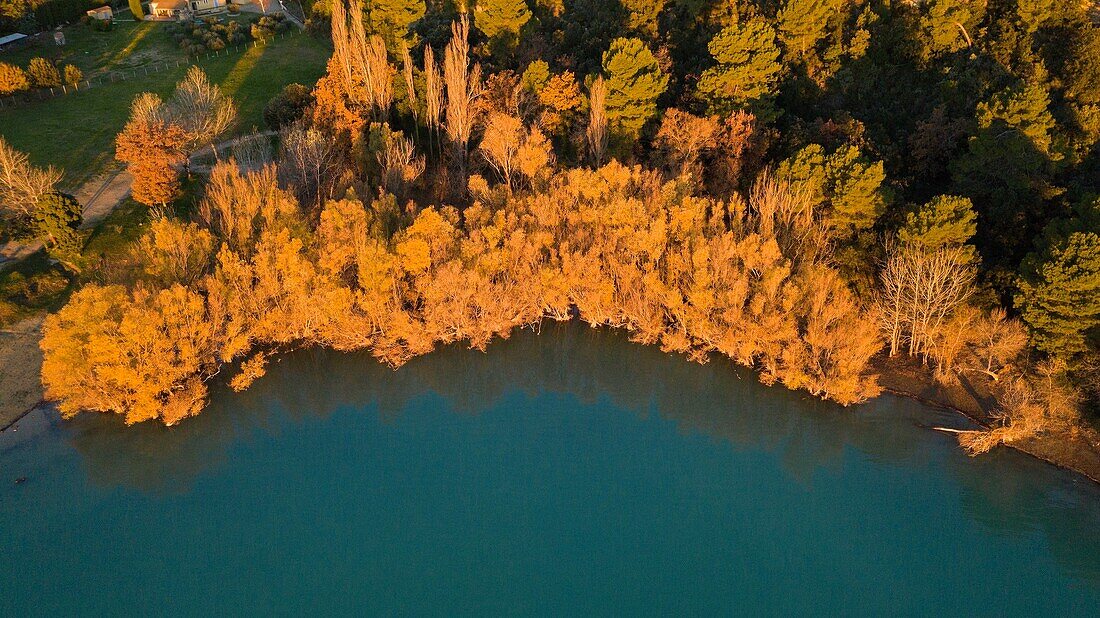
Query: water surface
(561,474)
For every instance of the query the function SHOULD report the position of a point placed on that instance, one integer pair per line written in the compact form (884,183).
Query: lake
(565,473)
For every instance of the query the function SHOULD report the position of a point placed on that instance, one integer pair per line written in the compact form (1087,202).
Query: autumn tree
(510,148)
(747,69)
(683,137)
(139,354)
(1042,402)
(738,153)
(464,89)
(399,164)
(596,133)
(634,81)
(173,251)
(153,147)
(562,101)
(359,81)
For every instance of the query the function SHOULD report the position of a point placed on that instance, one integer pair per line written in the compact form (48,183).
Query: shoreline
(899,376)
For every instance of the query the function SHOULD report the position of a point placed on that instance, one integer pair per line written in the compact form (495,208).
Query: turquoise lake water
(571,473)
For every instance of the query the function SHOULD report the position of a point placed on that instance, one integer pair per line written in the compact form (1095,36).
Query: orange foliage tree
(153,147)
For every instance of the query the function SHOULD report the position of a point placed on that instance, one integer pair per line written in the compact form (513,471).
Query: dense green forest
(797,184)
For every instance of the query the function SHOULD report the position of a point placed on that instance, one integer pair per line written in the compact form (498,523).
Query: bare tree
(22,184)
(920,289)
(311,164)
(399,163)
(253,151)
(597,121)
(999,340)
(201,109)
(684,137)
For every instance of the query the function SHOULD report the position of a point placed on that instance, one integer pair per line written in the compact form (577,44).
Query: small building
(12,41)
(103,13)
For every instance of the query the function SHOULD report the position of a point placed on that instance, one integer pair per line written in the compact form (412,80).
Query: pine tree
(57,220)
(802,23)
(947,220)
(846,181)
(634,82)
(1059,293)
(392,18)
(643,15)
(1023,108)
(1033,13)
(1007,170)
(948,25)
(501,18)
(748,66)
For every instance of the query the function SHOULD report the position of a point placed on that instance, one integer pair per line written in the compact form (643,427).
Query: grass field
(76,132)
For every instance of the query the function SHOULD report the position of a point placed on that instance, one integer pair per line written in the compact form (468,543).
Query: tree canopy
(747,70)
(634,83)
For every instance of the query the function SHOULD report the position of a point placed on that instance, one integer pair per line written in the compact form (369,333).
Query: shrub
(288,106)
(12,79)
(207,35)
(43,73)
(73,76)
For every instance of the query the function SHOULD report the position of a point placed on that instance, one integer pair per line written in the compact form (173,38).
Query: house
(103,13)
(186,9)
(208,7)
(172,9)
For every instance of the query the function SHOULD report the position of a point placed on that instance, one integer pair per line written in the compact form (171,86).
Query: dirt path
(20,369)
(102,194)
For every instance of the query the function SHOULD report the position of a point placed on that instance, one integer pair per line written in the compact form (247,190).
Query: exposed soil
(1078,451)
(20,369)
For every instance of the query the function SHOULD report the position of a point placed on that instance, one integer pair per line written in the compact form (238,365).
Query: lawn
(130,45)
(76,132)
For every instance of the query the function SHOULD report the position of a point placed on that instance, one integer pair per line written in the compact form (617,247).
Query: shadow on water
(1005,492)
